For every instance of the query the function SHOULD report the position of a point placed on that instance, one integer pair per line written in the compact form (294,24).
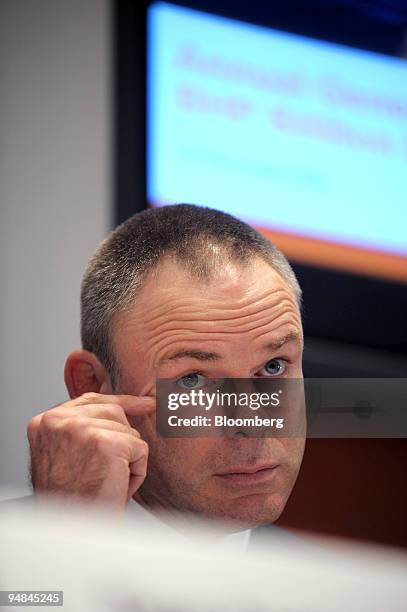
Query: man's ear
(84,373)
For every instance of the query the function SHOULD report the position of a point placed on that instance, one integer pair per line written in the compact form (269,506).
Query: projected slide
(304,139)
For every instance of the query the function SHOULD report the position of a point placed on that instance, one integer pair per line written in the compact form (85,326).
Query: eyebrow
(209,356)
(194,354)
(278,343)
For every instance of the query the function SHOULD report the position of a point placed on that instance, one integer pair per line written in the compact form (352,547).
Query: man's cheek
(145,425)
(188,456)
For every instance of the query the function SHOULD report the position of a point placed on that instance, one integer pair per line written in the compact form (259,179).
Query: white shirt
(234,542)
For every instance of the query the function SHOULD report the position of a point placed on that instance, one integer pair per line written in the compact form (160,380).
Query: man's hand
(85,449)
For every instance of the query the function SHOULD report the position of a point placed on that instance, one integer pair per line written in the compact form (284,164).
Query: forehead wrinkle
(201,316)
(189,305)
(161,345)
(295,331)
(205,334)
(244,323)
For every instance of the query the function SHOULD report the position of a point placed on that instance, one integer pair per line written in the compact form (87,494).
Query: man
(187,293)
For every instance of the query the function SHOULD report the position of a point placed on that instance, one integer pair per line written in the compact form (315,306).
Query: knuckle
(47,420)
(32,427)
(91,396)
(33,423)
(143,446)
(115,411)
(98,437)
(74,426)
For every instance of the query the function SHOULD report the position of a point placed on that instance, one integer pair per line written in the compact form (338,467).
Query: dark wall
(352,488)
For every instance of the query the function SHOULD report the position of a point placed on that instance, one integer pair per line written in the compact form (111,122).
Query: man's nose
(244,385)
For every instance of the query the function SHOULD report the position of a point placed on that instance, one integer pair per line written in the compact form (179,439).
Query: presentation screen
(305,140)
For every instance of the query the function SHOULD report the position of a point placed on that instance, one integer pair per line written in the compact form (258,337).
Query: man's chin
(249,511)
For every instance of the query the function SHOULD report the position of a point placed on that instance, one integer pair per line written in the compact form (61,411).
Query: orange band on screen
(349,258)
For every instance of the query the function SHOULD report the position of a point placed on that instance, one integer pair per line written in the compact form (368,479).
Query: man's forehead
(171,304)
(233,282)
(167,313)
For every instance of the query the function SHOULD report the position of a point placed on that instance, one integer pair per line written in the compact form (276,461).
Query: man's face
(220,328)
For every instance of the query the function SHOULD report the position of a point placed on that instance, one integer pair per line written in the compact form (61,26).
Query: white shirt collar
(234,542)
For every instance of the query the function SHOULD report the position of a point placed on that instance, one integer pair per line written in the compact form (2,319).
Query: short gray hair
(197,237)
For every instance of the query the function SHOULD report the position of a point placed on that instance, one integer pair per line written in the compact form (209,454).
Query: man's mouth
(247,475)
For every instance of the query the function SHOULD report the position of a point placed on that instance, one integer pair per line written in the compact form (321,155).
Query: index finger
(132,404)
(135,404)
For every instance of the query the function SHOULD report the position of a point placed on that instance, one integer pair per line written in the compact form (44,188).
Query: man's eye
(191,381)
(274,367)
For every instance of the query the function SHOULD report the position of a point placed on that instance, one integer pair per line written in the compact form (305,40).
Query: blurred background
(292,117)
